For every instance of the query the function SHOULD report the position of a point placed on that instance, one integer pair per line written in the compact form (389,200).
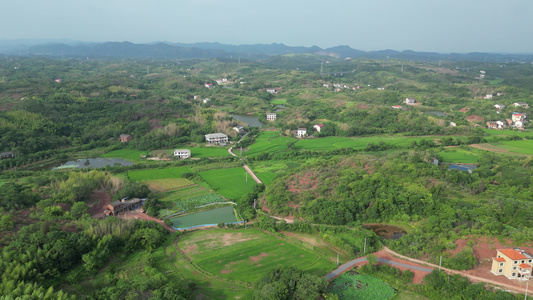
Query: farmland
(355,286)
(224,214)
(151,174)
(230,183)
(168,184)
(331,143)
(456,155)
(523,146)
(208,152)
(171,200)
(270,142)
(245,255)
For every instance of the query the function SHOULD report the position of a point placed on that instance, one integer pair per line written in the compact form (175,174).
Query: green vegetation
(129,154)
(224,214)
(455,155)
(230,183)
(354,286)
(524,147)
(208,152)
(198,201)
(151,174)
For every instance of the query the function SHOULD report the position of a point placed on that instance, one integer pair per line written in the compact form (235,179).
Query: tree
(79,209)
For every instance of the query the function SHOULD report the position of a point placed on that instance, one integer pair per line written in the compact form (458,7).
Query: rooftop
(512,254)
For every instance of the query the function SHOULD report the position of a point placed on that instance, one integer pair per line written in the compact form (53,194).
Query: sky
(443,26)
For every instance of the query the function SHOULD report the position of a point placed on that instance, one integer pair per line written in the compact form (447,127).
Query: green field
(279,101)
(170,200)
(333,142)
(230,183)
(209,152)
(224,214)
(129,154)
(270,142)
(168,184)
(455,155)
(152,174)
(246,255)
(355,286)
(523,146)
(266,177)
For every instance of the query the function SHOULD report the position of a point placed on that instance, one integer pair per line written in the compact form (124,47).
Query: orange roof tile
(525,266)
(499,259)
(512,254)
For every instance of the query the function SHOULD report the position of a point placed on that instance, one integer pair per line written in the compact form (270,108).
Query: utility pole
(246,176)
(364,248)
(440,262)
(337,259)
(321,67)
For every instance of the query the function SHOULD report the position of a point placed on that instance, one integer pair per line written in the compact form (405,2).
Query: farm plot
(224,214)
(523,146)
(171,200)
(168,184)
(355,286)
(129,154)
(230,183)
(331,143)
(153,174)
(270,142)
(246,255)
(458,156)
(209,152)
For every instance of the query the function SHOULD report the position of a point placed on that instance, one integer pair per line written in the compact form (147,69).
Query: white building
(318,127)
(182,153)
(271,116)
(216,138)
(301,132)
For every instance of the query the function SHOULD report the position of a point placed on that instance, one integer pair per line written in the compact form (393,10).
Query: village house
(301,132)
(397,106)
(273,90)
(522,104)
(206,100)
(496,125)
(182,153)
(116,207)
(239,129)
(410,101)
(208,85)
(59,80)
(317,127)
(5,155)
(517,117)
(124,138)
(381,88)
(488,96)
(499,106)
(216,138)
(512,263)
(271,116)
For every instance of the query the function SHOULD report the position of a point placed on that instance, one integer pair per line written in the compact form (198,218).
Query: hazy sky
(420,25)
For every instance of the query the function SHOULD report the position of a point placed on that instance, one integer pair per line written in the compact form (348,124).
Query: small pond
(93,163)
(251,120)
(434,112)
(386,231)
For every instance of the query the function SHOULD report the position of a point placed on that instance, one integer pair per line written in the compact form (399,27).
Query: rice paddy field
(230,183)
(334,142)
(129,154)
(521,146)
(224,214)
(186,198)
(456,155)
(197,152)
(151,174)
(270,142)
(267,170)
(245,255)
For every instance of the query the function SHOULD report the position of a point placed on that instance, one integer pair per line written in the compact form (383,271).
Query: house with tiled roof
(513,263)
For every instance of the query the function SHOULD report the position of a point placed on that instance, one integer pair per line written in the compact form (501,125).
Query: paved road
(255,178)
(349,265)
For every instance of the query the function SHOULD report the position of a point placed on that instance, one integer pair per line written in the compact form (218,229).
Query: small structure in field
(216,138)
(410,101)
(124,138)
(125,204)
(182,153)
(318,127)
(5,155)
(513,263)
(271,116)
(239,129)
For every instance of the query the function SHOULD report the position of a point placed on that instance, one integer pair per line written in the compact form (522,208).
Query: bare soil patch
(258,258)
(190,249)
(299,183)
(99,199)
(474,118)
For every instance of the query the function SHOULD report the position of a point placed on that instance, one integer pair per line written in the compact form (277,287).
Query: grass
(523,146)
(405,295)
(355,286)
(522,133)
(458,156)
(224,214)
(279,101)
(270,142)
(246,255)
(208,152)
(333,142)
(266,177)
(171,200)
(168,184)
(230,183)
(152,174)
(129,154)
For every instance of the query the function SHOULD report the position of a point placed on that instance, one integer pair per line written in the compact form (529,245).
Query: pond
(388,232)
(214,216)
(93,163)
(434,112)
(251,120)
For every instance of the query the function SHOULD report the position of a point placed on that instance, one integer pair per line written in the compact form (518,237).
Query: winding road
(248,170)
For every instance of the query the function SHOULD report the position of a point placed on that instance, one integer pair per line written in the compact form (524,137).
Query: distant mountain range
(166,50)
